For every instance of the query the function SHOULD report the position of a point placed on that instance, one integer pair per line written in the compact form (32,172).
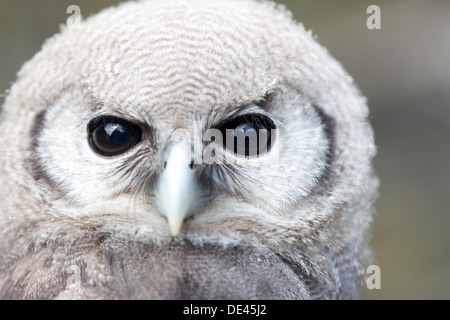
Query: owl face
(137,124)
(137,164)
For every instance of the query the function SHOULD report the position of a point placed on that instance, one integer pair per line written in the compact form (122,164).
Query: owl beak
(177,194)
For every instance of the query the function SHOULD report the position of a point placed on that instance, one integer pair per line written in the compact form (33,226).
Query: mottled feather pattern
(292,223)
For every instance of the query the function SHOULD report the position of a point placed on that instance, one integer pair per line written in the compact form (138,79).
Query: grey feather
(292,223)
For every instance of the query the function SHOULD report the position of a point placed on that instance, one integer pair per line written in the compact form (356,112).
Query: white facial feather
(304,205)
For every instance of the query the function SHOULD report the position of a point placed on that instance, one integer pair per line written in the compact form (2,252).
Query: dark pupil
(116,134)
(249,135)
(246,129)
(113,136)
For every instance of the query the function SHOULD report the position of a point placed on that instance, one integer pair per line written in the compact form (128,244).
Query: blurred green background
(403,69)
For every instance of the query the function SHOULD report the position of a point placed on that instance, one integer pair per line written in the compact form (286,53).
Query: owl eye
(111,136)
(248,135)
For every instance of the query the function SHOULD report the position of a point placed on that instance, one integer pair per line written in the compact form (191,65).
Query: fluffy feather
(290,224)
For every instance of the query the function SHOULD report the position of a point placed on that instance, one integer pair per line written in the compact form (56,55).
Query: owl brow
(258,104)
(114,113)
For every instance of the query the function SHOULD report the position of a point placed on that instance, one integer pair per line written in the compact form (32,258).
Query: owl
(185,150)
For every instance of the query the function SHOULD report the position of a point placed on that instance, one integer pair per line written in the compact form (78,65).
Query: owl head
(209,122)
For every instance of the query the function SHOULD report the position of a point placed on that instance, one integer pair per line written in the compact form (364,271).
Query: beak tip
(175,227)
